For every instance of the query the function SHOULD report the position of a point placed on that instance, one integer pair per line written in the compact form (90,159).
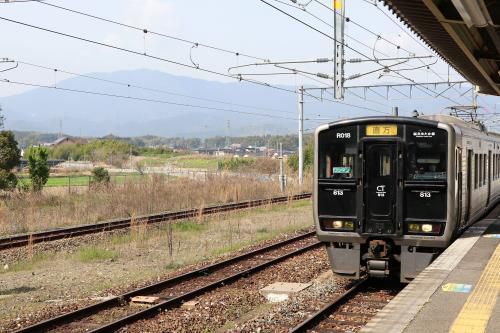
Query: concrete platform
(457,293)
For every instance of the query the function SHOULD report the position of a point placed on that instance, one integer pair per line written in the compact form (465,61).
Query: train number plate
(381,130)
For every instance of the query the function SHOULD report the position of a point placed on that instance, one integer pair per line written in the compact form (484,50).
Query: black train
(390,193)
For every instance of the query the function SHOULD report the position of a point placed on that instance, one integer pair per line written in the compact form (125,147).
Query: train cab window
(337,153)
(384,164)
(426,153)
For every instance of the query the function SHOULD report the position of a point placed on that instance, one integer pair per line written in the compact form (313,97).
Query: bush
(100,176)
(293,160)
(113,152)
(8,180)
(234,164)
(9,159)
(38,167)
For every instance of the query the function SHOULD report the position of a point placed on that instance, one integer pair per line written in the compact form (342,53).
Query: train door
(380,187)
(469,186)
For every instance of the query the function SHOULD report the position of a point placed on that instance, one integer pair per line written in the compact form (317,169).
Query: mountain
(44,110)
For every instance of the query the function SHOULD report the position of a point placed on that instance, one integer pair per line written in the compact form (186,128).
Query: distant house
(63,140)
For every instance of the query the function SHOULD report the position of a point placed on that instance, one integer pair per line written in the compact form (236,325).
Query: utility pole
(301,132)
(338,56)
(282,177)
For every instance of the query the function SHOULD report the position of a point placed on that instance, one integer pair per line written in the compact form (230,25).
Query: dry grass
(32,212)
(117,261)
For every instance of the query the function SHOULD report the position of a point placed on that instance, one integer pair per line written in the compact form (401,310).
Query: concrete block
(280,291)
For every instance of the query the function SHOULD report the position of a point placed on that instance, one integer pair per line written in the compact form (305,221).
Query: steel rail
(67,318)
(322,313)
(123,223)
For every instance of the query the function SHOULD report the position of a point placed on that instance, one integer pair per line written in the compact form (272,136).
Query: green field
(197,163)
(56,181)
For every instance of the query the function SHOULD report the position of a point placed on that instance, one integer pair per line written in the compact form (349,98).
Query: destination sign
(381,130)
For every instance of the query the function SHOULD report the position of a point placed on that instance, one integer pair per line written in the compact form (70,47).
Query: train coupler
(378,267)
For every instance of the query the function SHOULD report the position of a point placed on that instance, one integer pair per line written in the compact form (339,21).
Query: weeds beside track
(61,233)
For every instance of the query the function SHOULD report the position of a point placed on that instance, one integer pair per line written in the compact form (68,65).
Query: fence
(81,180)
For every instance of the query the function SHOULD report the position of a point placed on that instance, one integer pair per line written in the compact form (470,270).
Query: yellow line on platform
(474,316)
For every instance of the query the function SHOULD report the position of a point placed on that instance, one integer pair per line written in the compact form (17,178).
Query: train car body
(390,193)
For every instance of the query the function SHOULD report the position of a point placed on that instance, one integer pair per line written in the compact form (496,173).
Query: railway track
(352,309)
(69,232)
(117,312)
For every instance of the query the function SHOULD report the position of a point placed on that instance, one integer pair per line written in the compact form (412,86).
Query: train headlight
(349,225)
(338,224)
(427,227)
(413,227)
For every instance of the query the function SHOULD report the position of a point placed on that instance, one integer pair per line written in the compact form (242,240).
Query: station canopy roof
(465,33)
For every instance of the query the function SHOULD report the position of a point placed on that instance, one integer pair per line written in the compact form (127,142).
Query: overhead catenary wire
(385,39)
(406,33)
(147,31)
(239,78)
(126,50)
(150,100)
(345,45)
(159,101)
(156,90)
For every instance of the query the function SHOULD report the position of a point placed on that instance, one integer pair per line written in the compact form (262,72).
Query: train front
(383,194)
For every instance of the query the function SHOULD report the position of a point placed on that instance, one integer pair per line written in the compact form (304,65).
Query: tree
(100,176)
(293,160)
(38,167)
(9,159)
(2,118)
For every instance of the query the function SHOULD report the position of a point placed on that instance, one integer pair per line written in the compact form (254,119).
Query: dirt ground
(69,277)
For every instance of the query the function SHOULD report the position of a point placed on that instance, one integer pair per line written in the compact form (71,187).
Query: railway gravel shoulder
(212,281)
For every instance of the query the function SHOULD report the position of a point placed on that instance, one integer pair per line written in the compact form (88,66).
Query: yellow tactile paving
(474,316)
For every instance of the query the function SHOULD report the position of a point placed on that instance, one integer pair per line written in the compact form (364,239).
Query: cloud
(150,13)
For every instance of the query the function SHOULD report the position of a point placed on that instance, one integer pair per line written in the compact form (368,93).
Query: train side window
(480,170)
(483,165)
(484,169)
(497,163)
(476,171)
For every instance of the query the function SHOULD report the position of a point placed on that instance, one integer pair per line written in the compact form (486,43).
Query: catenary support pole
(282,176)
(301,134)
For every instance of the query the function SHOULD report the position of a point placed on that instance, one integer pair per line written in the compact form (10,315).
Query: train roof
(465,126)
(462,125)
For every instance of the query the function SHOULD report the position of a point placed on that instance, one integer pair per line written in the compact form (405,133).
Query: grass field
(56,181)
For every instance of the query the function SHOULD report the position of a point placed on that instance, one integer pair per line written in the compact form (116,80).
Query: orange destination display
(381,130)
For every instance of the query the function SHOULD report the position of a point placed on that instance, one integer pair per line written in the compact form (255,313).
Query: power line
(146,55)
(89,92)
(240,78)
(15,1)
(146,31)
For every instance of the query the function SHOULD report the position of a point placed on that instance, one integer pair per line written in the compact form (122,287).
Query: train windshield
(337,152)
(426,153)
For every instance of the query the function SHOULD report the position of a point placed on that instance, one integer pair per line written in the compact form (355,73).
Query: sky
(246,26)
